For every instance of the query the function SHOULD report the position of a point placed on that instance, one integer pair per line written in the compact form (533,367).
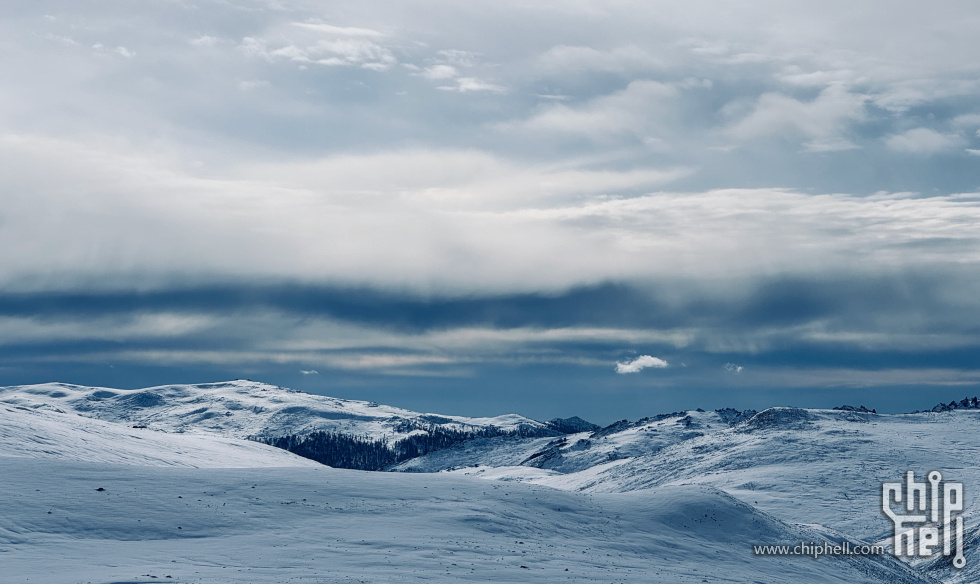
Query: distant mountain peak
(967,403)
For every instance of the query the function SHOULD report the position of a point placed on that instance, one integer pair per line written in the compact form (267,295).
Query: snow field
(306,525)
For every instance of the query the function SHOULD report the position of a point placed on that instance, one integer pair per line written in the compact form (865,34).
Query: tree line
(363,453)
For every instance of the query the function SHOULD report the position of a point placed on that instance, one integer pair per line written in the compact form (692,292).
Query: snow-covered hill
(242,408)
(584,450)
(821,467)
(659,499)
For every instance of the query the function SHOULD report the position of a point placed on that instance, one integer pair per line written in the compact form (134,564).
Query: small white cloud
(252,84)
(120,50)
(253,47)
(923,141)
(67,41)
(732,368)
(340,52)
(440,72)
(349,31)
(458,57)
(640,363)
(469,85)
(973,151)
(204,41)
(309,372)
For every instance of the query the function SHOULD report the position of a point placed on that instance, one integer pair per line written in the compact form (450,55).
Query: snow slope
(815,466)
(306,525)
(49,434)
(803,466)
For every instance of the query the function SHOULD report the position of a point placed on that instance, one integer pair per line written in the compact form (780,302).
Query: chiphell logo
(929,508)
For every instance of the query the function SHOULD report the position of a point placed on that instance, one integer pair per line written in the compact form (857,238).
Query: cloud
(204,41)
(732,368)
(634,110)
(116,327)
(524,192)
(469,85)
(64,40)
(883,320)
(121,51)
(438,72)
(459,57)
(339,52)
(385,219)
(448,67)
(823,122)
(970,121)
(572,59)
(924,141)
(640,363)
(309,372)
(252,84)
(329,46)
(339,30)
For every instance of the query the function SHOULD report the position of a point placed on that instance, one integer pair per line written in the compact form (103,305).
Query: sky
(602,209)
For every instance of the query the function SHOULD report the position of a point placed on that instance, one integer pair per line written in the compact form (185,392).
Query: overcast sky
(604,209)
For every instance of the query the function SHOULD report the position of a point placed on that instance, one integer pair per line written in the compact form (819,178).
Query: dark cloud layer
(929,302)
(810,342)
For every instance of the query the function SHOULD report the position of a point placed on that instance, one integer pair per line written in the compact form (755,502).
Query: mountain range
(192,488)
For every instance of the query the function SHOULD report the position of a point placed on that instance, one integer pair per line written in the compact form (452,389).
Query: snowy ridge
(577,452)
(242,409)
